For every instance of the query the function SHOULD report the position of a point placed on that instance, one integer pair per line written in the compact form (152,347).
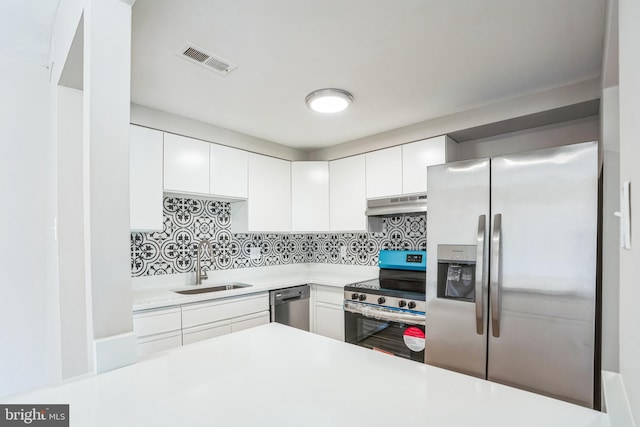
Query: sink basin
(217,288)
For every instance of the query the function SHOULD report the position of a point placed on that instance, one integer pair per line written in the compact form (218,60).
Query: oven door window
(399,339)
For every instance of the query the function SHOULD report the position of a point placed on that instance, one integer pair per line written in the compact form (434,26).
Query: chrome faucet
(200,275)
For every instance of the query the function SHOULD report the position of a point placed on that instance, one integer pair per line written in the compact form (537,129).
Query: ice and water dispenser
(457,272)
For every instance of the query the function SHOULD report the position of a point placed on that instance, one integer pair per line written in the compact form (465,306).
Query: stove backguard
(403,280)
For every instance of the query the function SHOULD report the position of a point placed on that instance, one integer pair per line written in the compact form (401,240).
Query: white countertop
(156,291)
(274,375)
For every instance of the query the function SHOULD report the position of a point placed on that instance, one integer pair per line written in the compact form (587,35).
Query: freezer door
(458,197)
(543,277)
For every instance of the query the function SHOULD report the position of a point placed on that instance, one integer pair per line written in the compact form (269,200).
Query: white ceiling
(26,27)
(404,61)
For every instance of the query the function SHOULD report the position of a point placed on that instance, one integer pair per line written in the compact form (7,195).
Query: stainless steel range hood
(393,206)
(397,206)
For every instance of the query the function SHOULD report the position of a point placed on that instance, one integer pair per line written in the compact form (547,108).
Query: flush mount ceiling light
(329,100)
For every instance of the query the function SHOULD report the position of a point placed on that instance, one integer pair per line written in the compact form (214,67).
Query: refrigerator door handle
(495,275)
(480,274)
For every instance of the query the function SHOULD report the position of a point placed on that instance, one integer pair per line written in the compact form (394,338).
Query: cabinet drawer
(250,321)
(201,313)
(330,295)
(203,332)
(158,342)
(156,321)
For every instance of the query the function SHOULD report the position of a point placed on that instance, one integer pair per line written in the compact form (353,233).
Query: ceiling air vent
(199,56)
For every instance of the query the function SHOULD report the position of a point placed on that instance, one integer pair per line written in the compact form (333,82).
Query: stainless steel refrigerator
(511,273)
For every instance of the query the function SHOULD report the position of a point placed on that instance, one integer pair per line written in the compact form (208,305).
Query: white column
(75,324)
(107,64)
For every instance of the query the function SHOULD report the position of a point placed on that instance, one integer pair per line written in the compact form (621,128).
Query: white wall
(582,130)
(629,74)
(67,19)
(76,335)
(106,83)
(28,294)
(168,122)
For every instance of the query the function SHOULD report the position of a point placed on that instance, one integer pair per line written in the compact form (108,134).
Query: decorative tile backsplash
(187,221)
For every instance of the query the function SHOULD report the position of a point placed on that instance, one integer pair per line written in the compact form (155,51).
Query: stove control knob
(354,296)
(411,305)
(381,300)
(402,303)
(363,297)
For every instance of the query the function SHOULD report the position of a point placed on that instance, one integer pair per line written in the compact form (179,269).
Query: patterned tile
(187,221)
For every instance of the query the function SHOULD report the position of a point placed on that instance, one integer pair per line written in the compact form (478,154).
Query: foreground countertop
(274,375)
(156,291)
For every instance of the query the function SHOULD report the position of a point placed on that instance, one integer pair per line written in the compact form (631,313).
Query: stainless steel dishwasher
(290,306)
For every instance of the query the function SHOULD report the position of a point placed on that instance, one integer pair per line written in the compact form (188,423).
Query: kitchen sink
(217,288)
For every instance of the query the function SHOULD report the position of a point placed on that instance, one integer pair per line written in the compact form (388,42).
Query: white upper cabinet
(309,196)
(200,167)
(416,156)
(403,169)
(145,185)
(347,194)
(268,208)
(186,164)
(228,171)
(384,172)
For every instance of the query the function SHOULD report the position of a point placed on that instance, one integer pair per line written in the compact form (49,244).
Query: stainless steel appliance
(387,314)
(290,306)
(511,277)
(377,209)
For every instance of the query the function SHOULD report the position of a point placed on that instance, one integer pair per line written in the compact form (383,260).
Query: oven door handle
(380,313)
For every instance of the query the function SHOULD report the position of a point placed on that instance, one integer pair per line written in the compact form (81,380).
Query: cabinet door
(156,321)
(309,196)
(330,321)
(186,164)
(206,312)
(415,159)
(203,332)
(228,169)
(330,295)
(145,185)
(250,321)
(384,172)
(347,194)
(157,343)
(269,204)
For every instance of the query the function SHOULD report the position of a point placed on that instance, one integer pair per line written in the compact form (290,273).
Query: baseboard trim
(114,352)
(615,401)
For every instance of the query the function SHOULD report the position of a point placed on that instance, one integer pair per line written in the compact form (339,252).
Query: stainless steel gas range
(388,314)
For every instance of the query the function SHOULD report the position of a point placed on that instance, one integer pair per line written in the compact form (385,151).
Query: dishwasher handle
(287,295)
(293,298)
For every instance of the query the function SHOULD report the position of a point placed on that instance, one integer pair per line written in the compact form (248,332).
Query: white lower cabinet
(203,332)
(157,329)
(200,313)
(223,327)
(330,321)
(154,343)
(250,321)
(214,318)
(329,314)
(165,328)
